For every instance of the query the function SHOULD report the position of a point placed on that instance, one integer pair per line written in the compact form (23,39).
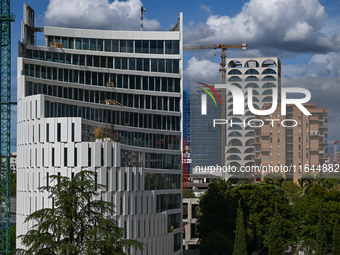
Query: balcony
(319,118)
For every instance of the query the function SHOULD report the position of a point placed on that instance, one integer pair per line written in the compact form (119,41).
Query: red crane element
(185,163)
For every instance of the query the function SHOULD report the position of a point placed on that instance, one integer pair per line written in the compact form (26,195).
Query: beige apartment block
(301,148)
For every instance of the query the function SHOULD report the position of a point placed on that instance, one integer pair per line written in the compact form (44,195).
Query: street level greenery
(279,216)
(77,222)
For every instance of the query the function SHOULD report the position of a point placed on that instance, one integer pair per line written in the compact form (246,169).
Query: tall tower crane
(222,70)
(5,123)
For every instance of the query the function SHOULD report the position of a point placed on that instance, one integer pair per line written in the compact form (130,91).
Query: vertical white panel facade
(128,83)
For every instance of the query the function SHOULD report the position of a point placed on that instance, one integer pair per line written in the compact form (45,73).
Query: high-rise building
(299,147)
(205,144)
(261,74)
(109,102)
(186,123)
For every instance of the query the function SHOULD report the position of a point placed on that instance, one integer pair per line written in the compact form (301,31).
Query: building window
(125,181)
(102,156)
(75,157)
(65,156)
(47,132)
(89,157)
(72,132)
(306,154)
(117,186)
(121,205)
(52,156)
(58,132)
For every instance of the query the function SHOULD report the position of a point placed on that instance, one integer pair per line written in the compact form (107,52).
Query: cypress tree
(336,239)
(321,235)
(240,244)
(275,242)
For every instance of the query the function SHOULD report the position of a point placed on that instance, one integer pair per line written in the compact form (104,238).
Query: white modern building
(124,85)
(261,74)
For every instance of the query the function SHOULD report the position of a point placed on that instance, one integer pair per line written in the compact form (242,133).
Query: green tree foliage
(291,191)
(301,221)
(240,244)
(321,235)
(187,193)
(274,178)
(258,209)
(275,243)
(77,223)
(216,243)
(306,213)
(240,178)
(336,239)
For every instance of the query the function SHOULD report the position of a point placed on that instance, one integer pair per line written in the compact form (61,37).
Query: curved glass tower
(110,102)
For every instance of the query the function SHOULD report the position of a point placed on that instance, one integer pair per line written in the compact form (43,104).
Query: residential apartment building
(13,161)
(299,146)
(261,74)
(127,85)
(331,158)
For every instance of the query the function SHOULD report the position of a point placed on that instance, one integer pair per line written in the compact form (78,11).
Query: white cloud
(99,14)
(206,8)
(201,69)
(320,65)
(280,25)
(299,32)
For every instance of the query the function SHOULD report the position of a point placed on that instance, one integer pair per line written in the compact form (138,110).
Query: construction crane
(222,70)
(6,18)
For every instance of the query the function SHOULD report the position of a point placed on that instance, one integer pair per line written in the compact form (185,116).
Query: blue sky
(304,34)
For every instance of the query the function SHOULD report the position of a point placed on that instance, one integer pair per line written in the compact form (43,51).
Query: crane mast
(5,123)
(222,70)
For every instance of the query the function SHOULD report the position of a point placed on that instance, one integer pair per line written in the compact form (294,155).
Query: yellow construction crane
(222,70)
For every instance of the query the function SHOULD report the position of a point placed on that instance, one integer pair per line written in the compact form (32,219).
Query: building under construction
(109,102)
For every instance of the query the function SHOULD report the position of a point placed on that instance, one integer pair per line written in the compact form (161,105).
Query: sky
(304,34)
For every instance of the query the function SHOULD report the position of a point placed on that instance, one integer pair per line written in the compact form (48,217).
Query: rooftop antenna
(142,10)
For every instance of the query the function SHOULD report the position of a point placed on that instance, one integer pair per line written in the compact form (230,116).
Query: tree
(274,178)
(77,223)
(275,242)
(291,191)
(321,235)
(188,193)
(336,239)
(216,243)
(240,244)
